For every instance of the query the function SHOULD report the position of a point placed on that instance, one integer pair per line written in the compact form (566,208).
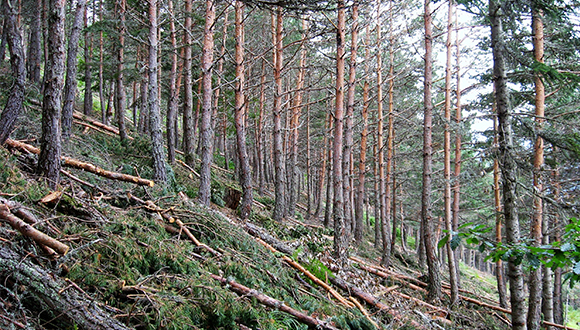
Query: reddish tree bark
(340,228)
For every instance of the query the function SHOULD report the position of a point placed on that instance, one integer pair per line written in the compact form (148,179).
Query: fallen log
(188,233)
(19,210)
(182,227)
(308,274)
(71,162)
(87,126)
(393,277)
(258,232)
(371,300)
(46,291)
(422,303)
(272,303)
(318,281)
(96,123)
(29,231)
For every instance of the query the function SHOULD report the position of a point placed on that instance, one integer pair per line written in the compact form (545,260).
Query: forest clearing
(278,164)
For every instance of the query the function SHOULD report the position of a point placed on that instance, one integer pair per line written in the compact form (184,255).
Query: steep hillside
(151,258)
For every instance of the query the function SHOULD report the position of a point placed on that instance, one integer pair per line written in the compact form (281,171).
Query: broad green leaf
(443,241)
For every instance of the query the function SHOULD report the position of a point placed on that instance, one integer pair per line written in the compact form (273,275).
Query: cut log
(392,277)
(85,166)
(29,231)
(273,303)
(316,280)
(49,292)
(87,126)
(258,232)
(19,210)
(188,233)
(97,124)
(371,300)
(364,312)
(182,227)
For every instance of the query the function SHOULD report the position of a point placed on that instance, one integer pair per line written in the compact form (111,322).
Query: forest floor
(151,258)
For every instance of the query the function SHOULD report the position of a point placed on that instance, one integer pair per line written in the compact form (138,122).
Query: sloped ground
(143,271)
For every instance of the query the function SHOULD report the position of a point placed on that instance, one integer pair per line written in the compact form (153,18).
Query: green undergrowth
(122,255)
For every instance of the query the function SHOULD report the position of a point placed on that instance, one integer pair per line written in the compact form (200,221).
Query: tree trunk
(120,85)
(261,168)
(293,176)
(359,212)
(507,165)
(447,160)
(380,156)
(188,122)
(279,166)
(558,308)
(13,106)
(387,243)
(426,216)
(221,144)
(206,129)
(348,125)
(160,172)
(499,269)
(34,44)
(340,229)
(322,177)
(48,292)
(70,86)
(457,162)
(88,98)
(101,78)
(173,101)
(50,141)
(240,116)
(535,279)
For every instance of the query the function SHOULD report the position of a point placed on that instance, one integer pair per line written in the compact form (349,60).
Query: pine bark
(70,86)
(386,251)
(101,77)
(34,57)
(293,173)
(88,97)
(537,281)
(348,125)
(50,141)
(206,128)
(507,165)
(499,268)
(173,101)
(359,206)
(427,221)
(457,161)
(279,163)
(447,160)
(188,122)
(240,116)
(48,292)
(120,99)
(13,106)
(159,170)
(340,229)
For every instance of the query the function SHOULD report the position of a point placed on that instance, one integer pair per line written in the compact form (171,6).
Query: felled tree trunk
(67,305)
